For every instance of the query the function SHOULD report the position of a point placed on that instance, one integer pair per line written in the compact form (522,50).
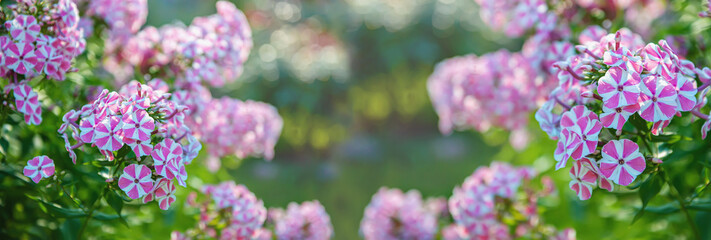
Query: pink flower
(34,117)
(20,57)
(191,150)
(392,214)
(657,61)
(136,181)
(591,34)
(623,58)
(48,60)
(308,221)
(657,99)
(88,126)
(621,161)
(583,179)
(39,167)
(164,193)
(705,128)
(568,141)
(685,91)
(583,124)
(617,117)
(168,159)
(24,28)
(138,125)
(548,121)
(69,148)
(619,88)
(25,99)
(140,148)
(108,134)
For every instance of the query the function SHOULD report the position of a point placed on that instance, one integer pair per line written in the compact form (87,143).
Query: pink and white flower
(621,161)
(48,60)
(619,88)
(582,122)
(25,98)
(657,99)
(87,128)
(617,117)
(140,148)
(138,125)
(685,91)
(136,181)
(39,167)
(583,179)
(24,28)
(164,193)
(108,134)
(20,57)
(623,58)
(168,160)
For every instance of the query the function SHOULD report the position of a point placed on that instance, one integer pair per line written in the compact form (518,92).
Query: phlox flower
(39,167)
(164,193)
(140,148)
(69,148)
(621,161)
(657,99)
(623,58)
(657,61)
(136,181)
(108,134)
(619,87)
(548,121)
(48,60)
(685,91)
(137,125)
(34,117)
(20,57)
(617,117)
(87,128)
(307,221)
(581,124)
(24,28)
(705,128)
(583,179)
(25,98)
(591,34)
(168,160)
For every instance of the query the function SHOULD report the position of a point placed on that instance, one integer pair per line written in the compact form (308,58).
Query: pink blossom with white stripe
(621,161)
(136,181)
(619,87)
(657,99)
(39,167)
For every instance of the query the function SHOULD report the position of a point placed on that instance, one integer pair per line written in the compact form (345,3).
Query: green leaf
(663,209)
(114,201)
(649,188)
(5,146)
(701,206)
(666,138)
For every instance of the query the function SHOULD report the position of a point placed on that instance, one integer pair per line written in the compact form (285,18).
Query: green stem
(682,206)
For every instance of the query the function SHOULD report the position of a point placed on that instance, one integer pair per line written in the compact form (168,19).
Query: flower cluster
(39,38)
(615,79)
(481,205)
(122,17)
(392,214)
(306,221)
(230,210)
(480,92)
(232,127)
(146,122)
(212,49)
(39,167)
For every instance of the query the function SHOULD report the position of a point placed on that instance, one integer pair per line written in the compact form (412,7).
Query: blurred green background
(349,79)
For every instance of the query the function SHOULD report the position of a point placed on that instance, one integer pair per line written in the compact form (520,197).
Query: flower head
(164,193)
(39,167)
(619,87)
(583,178)
(657,99)
(136,181)
(621,161)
